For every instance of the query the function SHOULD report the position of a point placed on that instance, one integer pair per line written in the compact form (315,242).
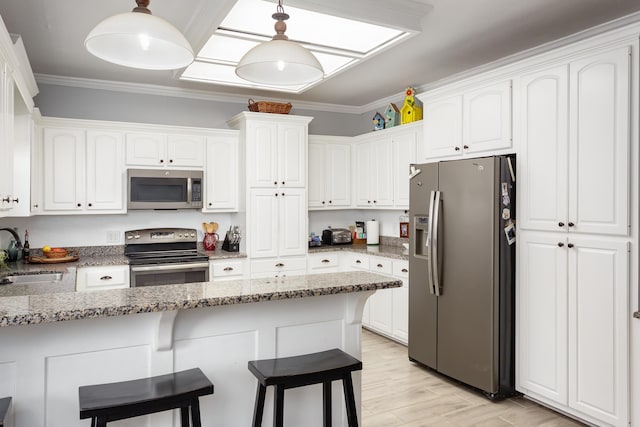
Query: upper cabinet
(164,150)
(6,136)
(574,162)
(329,172)
(476,121)
(222,172)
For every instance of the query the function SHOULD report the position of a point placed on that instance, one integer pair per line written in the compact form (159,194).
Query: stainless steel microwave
(164,189)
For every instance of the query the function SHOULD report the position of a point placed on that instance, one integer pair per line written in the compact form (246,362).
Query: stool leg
(278,407)
(195,413)
(326,404)
(350,400)
(259,407)
(184,416)
(93,421)
(101,422)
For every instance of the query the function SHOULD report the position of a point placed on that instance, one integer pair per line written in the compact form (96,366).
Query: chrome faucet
(15,236)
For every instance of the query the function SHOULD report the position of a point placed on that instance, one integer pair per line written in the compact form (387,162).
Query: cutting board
(45,260)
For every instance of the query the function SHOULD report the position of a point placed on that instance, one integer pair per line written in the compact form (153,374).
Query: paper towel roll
(373,232)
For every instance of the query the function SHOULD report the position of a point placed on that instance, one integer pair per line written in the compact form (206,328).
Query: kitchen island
(52,342)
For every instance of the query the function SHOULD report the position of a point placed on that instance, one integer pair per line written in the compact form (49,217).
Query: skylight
(338,43)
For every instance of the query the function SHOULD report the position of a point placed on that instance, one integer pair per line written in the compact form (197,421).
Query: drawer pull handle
(404,270)
(379,265)
(106,278)
(325,261)
(358,262)
(279,264)
(228,269)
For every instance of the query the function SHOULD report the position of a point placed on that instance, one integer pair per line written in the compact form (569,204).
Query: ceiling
(455,35)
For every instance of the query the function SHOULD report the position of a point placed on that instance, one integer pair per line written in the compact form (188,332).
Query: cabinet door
(381,173)
(599,328)
(362,174)
(599,143)
(400,298)
(381,303)
(292,224)
(185,150)
(64,169)
(542,168)
(404,153)
(487,118)
(222,173)
(262,149)
(338,175)
(292,155)
(263,228)
(542,315)
(317,177)
(7,196)
(443,128)
(145,149)
(105,171)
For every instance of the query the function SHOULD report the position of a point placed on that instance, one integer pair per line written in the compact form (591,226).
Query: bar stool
(104,403)
(5,403)
(290,372)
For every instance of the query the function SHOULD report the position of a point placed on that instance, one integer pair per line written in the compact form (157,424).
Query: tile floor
(399,393)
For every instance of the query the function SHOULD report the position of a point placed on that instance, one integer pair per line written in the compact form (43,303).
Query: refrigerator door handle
(434,244)
(430,243)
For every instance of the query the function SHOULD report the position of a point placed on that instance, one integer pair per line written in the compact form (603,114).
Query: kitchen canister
(373,232)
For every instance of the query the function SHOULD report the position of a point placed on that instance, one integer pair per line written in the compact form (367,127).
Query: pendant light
(279,61)
(139,40)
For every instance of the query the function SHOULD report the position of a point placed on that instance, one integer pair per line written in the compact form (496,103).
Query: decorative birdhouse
(391,116)
(411,110)
(378,121)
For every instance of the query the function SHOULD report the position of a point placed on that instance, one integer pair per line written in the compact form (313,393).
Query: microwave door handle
(189,190)
(436,258)
(430,244)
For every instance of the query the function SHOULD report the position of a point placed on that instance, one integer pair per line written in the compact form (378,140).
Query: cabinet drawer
(380,265)
(96,278)
(401,269)
(276,265)
(323,261)
(227,269)
(358,261)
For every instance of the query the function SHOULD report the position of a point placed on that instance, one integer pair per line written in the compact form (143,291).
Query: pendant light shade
(279,61)
(140,40)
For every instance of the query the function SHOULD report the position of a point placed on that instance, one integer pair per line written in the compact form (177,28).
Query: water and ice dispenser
(421,234)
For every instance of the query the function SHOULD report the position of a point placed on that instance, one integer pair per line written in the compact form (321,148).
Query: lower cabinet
(226,269)
(326,262)
(573,327)
(278,267)
(104,277)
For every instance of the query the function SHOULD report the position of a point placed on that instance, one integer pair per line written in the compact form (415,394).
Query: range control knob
(137,236)
(129,237)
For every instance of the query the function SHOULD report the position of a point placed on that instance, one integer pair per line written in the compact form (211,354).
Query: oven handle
(168,267)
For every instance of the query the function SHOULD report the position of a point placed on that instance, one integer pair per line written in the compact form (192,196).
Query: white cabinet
(323,262)
(381,303)
(374,172)
(405,145)
(227,269)
(100,278)
(279,225)
(400,296)
(160,149)
(329,172)
(83,171)
(222,173)
(7,198)
(574,162)
(572,323)
(278,267)
(475,121)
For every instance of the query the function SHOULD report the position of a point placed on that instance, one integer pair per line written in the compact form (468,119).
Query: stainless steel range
(164,256)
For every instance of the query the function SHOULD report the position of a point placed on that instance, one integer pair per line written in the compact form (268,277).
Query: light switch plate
(114,236)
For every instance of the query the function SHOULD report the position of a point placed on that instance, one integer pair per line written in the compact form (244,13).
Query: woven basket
(269,107)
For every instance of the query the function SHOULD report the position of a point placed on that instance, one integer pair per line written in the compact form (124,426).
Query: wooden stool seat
(5,403)
(104,403)
(297,371)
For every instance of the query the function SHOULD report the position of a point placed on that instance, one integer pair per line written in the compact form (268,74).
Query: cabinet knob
(275,182)
(106,278)
(330,201)
(283,194)
(210,204)
(170,160)
(161,160)
(279,265)
(570,245)
(228,269)
(465,147)
(561,224)
(276,194)
(368,201)
(571,224)
(560,244)
(325,261)
(79,204)
(90,204)
(35,206)
(457,148)
(323,202)
(375,201)
(282,182)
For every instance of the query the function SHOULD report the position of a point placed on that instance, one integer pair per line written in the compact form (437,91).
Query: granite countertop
(388,251)
(58,302)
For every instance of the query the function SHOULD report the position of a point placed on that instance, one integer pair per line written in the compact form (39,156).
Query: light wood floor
(399,393)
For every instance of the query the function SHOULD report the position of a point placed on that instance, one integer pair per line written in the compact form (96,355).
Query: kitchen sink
(28,279)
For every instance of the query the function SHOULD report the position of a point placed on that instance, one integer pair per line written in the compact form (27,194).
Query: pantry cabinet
(329,173)
(83,171)
(574,163)
(466,124)
(222,173)
(572,323)
(164,150)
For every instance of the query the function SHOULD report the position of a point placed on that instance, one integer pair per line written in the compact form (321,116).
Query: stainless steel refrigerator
(462,271)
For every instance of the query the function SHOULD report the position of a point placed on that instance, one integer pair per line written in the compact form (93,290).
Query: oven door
(169,274)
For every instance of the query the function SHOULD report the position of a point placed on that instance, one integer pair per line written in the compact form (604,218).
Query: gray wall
(98,104)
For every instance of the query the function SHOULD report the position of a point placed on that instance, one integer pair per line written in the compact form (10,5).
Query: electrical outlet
(113,237)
